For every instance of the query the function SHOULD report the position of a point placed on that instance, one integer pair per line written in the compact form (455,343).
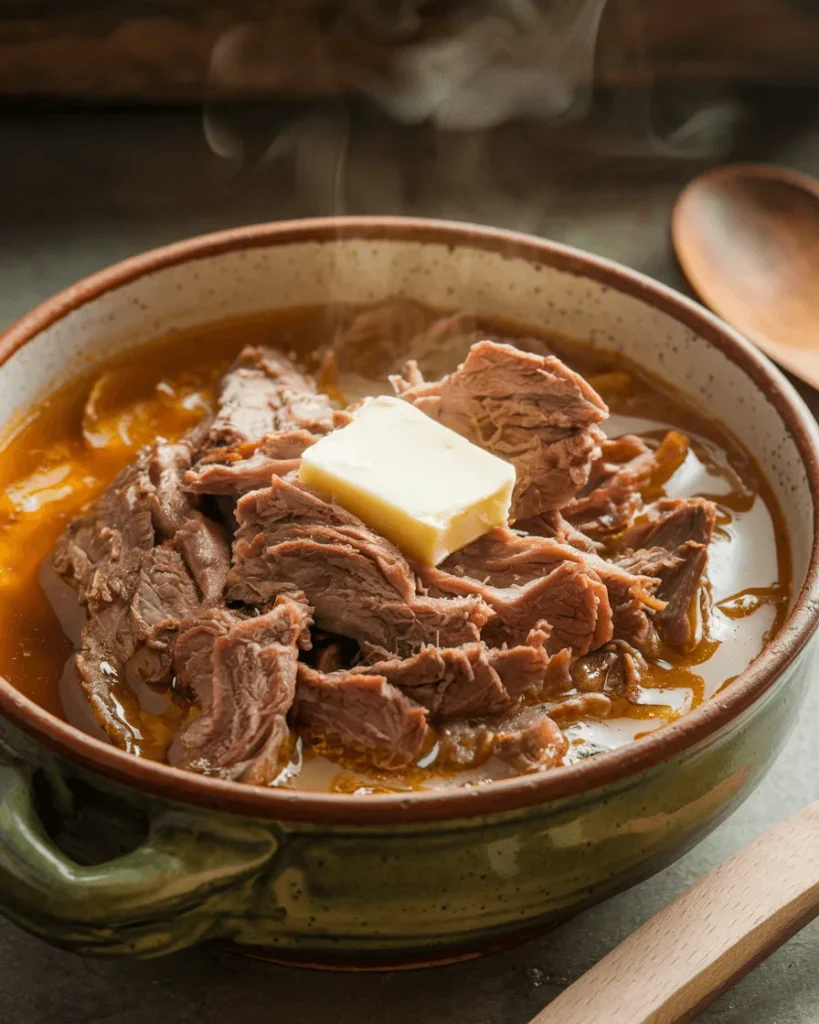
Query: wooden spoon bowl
(747,239)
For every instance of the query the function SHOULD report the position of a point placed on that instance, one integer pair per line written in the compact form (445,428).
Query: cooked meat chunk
(527,669)
(584,599)
(673,541)
(528,741)
(378,338)
(358,584)
(555,526)
(451,682)
(529,409)
(473,679)
(670,522)
(613,495)
(582,705)
(362,710)
(265,393)
(243,673)
(141,562)
(240,468)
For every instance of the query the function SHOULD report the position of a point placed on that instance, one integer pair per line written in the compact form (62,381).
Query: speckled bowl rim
(496,797)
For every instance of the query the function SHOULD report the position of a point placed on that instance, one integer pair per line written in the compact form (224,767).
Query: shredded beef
(265,393)
(580,706)
(362,710)
(612,497)
(243,673)
(670,522)
(615,670)
(585,599)
(245,467)
(454,682)
(555,526)
(529,409)
(141,562)
(673,541)
(528,741)
(357,582)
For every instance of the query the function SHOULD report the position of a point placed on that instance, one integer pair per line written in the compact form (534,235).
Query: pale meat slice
(671,543)
(246,467)
(613,496)
(364,711)
(527,741)
(585,599)
(242,671)
(529,409)
(263,393)
(144,559)
(555,526)
(357,582)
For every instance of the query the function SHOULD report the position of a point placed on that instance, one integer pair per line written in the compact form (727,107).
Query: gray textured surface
(80,191)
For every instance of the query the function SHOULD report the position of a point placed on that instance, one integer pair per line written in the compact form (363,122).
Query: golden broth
(68,449)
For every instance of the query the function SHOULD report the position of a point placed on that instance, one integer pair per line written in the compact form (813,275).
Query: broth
(64,454)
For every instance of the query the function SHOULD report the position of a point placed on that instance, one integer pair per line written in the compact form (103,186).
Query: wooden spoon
(701,944)
(747,238)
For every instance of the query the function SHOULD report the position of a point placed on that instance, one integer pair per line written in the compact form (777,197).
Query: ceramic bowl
(166,858)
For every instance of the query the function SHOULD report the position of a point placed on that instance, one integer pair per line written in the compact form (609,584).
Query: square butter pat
(418,483)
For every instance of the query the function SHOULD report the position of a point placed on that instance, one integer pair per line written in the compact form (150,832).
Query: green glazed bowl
(106,854)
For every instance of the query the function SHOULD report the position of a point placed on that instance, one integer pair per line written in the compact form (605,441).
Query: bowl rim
(614,766)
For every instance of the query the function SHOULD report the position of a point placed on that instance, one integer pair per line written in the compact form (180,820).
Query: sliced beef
(453,682)
(585,599)
(526,669)
(555,526)
(265,393)
(473,679)
(680,573)
(242,671)
(362,710)
(245,467)
(613,495)
(102,553)
(579,707)
(206,553)
(358,583)
(528,741)
(670,522)
(141,562)
(673,547)
(378,338)
(529,409)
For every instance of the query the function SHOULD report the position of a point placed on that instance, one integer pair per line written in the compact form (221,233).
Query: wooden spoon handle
(699,945)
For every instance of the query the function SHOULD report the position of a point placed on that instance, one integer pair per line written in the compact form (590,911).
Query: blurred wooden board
(172,50)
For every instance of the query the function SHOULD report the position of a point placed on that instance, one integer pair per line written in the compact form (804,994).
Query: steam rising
(495,120)
(524,59)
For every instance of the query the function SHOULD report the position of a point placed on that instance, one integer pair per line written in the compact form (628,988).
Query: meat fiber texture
(208,567)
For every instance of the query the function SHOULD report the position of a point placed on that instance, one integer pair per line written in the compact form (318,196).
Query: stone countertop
(83,189)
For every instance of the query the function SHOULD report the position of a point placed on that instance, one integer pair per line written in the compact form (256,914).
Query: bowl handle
(190,875)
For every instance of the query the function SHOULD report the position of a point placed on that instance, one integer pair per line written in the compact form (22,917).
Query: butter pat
(415,481)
